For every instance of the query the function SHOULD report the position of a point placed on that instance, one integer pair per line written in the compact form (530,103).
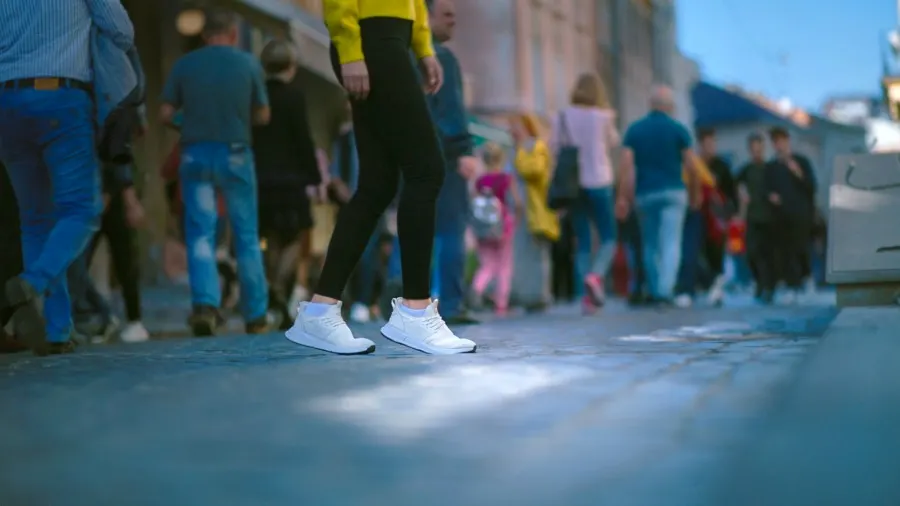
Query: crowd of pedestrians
(548,216)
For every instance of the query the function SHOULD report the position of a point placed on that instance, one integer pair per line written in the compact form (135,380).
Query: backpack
(487,216)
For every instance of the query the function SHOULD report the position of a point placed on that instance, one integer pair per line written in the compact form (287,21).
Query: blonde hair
(590,91)
(493,156)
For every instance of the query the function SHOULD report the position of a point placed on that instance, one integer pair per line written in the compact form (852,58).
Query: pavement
(625,408)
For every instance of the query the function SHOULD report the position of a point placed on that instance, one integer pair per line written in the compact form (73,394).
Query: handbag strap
(564,138)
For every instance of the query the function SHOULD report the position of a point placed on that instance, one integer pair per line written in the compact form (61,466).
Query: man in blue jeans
(221,92)
(656,150)
(47,132)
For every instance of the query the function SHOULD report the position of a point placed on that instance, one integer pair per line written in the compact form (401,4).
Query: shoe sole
(596,296)
(304,339)
(27,322)
(396,335)
(203,329)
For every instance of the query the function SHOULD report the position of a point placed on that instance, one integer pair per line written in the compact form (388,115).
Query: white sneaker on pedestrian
(789,298)
(426,332)
(134,332)
(359,313)
(323,328)
(683,301)
(716,294)
(299,295)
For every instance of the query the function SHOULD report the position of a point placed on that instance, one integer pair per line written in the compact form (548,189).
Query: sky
(804,50)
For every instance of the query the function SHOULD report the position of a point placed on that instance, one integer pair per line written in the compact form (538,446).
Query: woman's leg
(487,262)
(504,272)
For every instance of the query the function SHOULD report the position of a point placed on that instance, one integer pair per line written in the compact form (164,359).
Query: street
(631,407)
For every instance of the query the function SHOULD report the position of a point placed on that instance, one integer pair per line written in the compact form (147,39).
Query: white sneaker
(427,333)
(359,313)
(299,295)
(716,294)
(134,332)
(683,301)
(328,332)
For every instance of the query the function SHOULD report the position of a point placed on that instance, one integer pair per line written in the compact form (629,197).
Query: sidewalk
(835,438)
(166,309)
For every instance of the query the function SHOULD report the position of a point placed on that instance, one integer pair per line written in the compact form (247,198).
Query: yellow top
(342,19)
(534,167)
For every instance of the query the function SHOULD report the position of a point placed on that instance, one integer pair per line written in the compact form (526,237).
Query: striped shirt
(51,38)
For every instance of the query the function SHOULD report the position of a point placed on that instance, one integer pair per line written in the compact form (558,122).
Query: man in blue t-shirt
(657,149)
(221,92)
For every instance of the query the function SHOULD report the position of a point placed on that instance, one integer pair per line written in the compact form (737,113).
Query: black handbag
(564,185)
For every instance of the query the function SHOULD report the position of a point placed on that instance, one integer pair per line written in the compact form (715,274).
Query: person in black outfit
(10,256)
(721,206)
(791,186)
(287,169)
(751,181)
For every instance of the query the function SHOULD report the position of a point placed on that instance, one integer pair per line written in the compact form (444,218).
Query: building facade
(523,55)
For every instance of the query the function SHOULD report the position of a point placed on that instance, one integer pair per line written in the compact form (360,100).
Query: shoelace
(332,321)
(434,322)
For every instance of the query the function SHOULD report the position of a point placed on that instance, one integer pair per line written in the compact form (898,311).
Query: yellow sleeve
(342,21)
(534,167)
(421,36)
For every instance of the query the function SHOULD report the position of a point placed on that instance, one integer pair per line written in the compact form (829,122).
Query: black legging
(394,135)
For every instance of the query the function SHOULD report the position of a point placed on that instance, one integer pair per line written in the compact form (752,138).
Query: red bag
(737,237)
(715,214)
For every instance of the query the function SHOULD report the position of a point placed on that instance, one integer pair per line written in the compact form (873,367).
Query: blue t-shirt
(658,142)
(217,88)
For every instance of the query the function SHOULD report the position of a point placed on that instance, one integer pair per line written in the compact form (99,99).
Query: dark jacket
(721,170)
(449,109)
(797,194)
(284,150)
(753,176)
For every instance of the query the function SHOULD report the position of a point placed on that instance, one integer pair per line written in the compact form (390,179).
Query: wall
(523,55)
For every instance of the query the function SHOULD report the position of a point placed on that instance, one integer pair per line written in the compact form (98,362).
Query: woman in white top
(589,124)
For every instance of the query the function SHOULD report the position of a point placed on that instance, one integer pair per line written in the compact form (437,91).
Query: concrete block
(864,241)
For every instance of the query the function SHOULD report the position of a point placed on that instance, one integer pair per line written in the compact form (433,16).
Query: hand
(341,190)
(744,195)
(355,76)
(312,192)
(623,208)
(795,167)
(135,215)
(468,167)
(775,199)
(433,74)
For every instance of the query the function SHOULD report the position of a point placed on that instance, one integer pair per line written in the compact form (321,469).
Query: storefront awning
(484,132)
(294,23)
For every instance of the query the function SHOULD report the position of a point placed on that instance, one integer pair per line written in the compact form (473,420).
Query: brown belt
(45,84)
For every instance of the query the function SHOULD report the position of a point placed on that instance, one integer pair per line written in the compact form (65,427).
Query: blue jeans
(595,205)
(449,266)
(662,222)
(47,145)
(205,168)
(691,243)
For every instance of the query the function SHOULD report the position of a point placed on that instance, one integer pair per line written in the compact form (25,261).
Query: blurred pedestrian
(46,66)
(495,251)
(532,261)
(395,133)
(791,186)
(700,184)
(221,91)
(10,257)
(449,111)
(655,149)
(760,218)
(287,173)
(589,124)
(719,206)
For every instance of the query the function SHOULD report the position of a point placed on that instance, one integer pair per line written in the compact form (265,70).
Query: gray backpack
(487,216)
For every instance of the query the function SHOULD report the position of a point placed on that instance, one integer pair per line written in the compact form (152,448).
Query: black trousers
(122,240)
(790,244)
(11,264)
(395,135)
(762,254)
